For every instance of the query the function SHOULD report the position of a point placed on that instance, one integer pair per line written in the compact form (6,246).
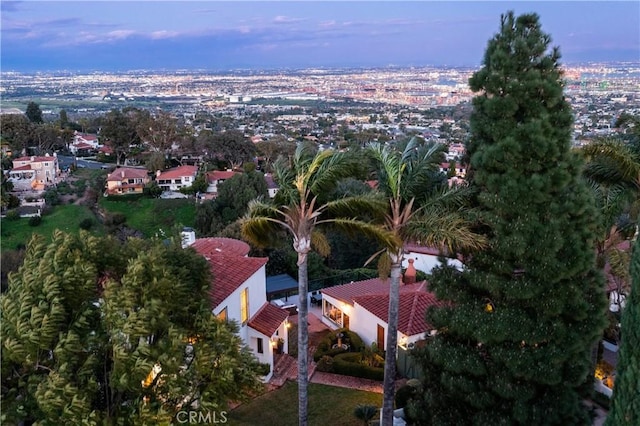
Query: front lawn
(148,215)
(328,405)
(66,218)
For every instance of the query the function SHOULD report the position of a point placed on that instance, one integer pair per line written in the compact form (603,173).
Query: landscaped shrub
(52,197)
(35,220)
(265,368)
(349,364)
(404,394)
(325,347)
(325,364)
(12,215)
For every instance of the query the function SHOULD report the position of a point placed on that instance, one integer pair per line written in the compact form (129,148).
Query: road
(65,161)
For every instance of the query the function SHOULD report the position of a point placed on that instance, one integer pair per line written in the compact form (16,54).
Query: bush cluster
(350,364)
(349,337)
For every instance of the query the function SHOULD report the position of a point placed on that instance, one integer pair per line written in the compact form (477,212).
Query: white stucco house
(238,292)
(426,258)
(176,178)
(362,306)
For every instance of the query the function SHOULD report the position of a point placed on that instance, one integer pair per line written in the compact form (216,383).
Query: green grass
(66,218)
(328,405)
(148,215)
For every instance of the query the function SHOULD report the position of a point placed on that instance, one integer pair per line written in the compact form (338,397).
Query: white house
(362,306)
(238,292)
(176,178)
(215,178)
(426,258)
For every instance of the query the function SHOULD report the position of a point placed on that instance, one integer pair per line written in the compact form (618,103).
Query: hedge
(348,364)
(325,346)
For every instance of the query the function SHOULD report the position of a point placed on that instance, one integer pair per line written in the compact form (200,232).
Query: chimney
(188,237)
(410,273)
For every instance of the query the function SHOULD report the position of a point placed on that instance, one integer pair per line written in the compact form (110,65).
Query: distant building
(179,177)
(34,173)
(127,180)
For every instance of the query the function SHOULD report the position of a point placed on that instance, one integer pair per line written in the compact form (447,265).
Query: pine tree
(625,405)
(515,333)
(85,321)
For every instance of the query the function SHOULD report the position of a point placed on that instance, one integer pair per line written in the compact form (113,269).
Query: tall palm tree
(434,219)
(613,172)
(300,208)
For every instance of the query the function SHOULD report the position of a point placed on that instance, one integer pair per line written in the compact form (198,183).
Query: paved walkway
(286,367)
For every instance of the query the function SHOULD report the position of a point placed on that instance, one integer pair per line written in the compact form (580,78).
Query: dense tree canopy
(86,320)
(515,334)
(34,113)
(625,405)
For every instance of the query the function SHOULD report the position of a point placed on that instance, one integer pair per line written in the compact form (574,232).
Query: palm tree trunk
(392,343)
(303,342)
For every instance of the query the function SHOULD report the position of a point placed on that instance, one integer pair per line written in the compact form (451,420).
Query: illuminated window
(223,314)
(244,305)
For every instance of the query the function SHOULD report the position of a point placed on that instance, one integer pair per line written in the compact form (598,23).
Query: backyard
(328,405)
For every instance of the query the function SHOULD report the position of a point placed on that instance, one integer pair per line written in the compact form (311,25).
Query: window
(223,314)
(260,347)
(244,305)
(333,313)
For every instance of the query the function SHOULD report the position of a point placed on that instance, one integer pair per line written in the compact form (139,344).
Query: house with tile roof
(215,178)
(238,292)
(176,178)
(362,306)
(127,180)
(34,173)
(426,258)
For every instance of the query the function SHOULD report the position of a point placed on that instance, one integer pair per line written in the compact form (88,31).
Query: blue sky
(217,35)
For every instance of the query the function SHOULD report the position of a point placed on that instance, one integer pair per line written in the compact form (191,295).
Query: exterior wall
(426,262)
(366,325)
(175,184)
(257,286)
(44,171)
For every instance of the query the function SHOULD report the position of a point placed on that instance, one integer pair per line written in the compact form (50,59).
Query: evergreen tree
(625,405)
(34,113)
(87,319)
(517,326)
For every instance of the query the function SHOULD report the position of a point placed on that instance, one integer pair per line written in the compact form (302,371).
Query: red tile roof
(219,174)
(40,159)
(229,265)
(229,273)
(126,173)
(268,318)
(347,292)
(215,246)
(83,145)
(414,301)
(21,168)
(178,172)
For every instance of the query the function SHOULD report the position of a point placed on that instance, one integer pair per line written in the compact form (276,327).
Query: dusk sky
(220,35)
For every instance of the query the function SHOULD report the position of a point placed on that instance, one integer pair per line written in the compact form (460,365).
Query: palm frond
(450,232)
(373,204)
(320,243)
(354,227)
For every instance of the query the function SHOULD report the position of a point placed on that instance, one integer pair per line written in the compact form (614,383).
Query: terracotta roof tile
(127,173)
(230,266)
(268,318)
(219,174)
(215,246)
(178,172)
(414,301)
(40,159)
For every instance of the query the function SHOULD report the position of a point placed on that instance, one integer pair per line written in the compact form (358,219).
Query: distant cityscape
(397,98)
